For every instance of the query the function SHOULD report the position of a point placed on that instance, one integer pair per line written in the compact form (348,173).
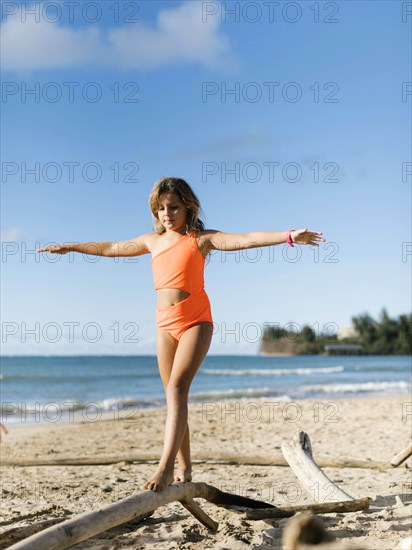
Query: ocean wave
(237,393)
(358,387)
(32,411)
(272,372)
(379,368)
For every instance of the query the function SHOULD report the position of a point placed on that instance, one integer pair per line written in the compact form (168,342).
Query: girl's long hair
(185,193)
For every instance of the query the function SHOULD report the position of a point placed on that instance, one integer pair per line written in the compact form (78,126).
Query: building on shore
(343,349)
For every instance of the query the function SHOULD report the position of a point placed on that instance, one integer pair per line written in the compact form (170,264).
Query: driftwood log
(402,456)
(305,531)
(298,453)
(218,458)
(88,524)
(321,508)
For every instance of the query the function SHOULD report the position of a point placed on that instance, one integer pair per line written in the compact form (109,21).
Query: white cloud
(179,37)
(11,235)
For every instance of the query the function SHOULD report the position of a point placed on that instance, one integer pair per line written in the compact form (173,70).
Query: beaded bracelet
(289,238)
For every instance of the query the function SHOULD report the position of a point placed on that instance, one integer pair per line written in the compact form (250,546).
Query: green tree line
(384,336)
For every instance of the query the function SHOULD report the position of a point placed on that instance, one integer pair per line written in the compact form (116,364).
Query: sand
(371,429)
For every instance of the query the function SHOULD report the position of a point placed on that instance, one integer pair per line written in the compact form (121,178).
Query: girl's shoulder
(203,237)
(205,234)
(152,240)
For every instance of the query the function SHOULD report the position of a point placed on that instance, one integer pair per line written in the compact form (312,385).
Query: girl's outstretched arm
(217,240)
(132,247)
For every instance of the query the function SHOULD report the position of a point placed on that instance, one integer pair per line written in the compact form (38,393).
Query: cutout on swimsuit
(177,297)
(176,319)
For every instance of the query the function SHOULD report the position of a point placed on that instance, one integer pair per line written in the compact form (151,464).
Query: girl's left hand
(304,236)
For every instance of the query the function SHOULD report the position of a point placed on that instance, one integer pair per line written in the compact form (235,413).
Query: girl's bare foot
(184,474)
(159,480)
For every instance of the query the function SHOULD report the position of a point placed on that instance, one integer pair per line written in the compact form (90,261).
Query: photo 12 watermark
(271,171)
(69,411)
(91,252)
(251,332)
(325,253)
(406,92)
(71,332)
(406,252)
(69,171)
(69,92)
(406,11)
(71,12)
(253,412)
(407,412)
(406,172)
(58,492)
(269,92)
(270,11)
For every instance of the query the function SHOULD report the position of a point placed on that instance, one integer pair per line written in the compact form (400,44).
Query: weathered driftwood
(402,456)
(307,532)
(199,458)
(193,507)
(15,534)
(298,453)
(88,524)
(320,508)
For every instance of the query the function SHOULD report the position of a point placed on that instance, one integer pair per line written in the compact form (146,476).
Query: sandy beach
(370,429)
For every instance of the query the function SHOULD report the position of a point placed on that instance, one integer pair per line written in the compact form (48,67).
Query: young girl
(179,246)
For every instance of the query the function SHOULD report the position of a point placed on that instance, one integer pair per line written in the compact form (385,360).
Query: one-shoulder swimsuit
(181,266)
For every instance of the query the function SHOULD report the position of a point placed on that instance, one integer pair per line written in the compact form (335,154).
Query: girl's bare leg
(184,471)
(166,347)
(190,352)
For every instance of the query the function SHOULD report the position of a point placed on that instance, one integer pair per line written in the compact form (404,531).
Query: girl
(179,246)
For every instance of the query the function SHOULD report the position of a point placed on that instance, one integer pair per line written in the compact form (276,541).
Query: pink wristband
(288,237)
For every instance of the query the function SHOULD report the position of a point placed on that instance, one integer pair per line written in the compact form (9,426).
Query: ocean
(51,388)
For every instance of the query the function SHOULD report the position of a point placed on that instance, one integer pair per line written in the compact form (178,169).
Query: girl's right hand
(55,249)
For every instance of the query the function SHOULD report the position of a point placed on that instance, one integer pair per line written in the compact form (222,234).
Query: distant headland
(365,336)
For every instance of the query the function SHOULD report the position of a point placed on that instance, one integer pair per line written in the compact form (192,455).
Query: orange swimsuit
(181,266)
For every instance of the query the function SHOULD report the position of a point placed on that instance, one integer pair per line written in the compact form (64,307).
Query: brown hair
(185,193)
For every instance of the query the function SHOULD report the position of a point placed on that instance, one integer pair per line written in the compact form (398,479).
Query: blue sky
(316,133)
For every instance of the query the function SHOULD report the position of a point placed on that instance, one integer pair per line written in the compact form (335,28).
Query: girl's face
(172,212)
